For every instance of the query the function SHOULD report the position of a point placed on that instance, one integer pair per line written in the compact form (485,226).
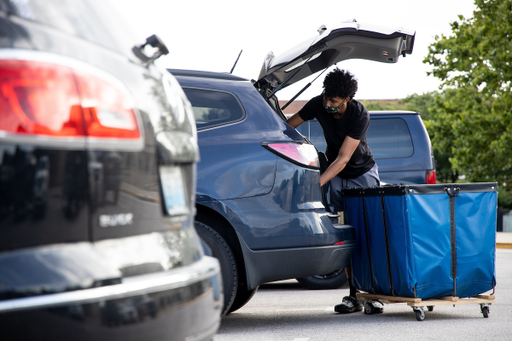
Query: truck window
(91,20)
(389,138)
(316,135)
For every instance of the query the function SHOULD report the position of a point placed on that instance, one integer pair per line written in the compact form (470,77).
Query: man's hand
(347,149)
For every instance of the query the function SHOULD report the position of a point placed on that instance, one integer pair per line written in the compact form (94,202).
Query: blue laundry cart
(422,242)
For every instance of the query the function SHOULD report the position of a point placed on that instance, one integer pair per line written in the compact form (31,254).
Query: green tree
(415,102)
(425,104)
(472,115)
(382,105)
(420,103)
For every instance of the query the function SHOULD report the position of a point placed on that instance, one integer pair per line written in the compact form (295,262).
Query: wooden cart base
(418,305)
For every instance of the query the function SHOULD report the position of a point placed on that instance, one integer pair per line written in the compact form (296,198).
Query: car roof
(206,74)
(382,113)
(392,112)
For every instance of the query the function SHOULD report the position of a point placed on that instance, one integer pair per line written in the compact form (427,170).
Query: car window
(389,138)
(92,20)
(316,135)
(213,108)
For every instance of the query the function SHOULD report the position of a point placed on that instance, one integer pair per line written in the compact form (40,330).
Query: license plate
(173,190)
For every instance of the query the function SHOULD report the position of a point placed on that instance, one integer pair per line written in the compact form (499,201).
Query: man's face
(334,101)
(333,105)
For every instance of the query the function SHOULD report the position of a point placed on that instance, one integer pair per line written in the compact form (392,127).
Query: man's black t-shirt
(354,123)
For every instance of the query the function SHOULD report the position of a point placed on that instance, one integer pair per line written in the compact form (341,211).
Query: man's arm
(295,120)
(347,149)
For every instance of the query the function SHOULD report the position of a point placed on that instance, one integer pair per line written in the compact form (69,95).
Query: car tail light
(41,98)
(301,153)
(431,177)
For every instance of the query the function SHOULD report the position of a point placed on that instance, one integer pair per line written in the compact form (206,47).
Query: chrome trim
(119,145)
(65,143)
(205,334)
(132,286)
(311,205)
(129,145)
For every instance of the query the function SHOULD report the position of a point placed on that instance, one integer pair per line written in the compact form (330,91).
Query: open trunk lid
(330,46)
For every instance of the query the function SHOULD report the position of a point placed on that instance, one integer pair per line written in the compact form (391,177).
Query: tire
(420,315)
(367,308)
(221,250)
(485,312)
(243,295)
(333,280)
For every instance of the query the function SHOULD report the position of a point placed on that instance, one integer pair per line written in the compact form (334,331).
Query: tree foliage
(472,115)
(415,102)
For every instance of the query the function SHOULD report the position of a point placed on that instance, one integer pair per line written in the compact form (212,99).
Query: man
(351,163)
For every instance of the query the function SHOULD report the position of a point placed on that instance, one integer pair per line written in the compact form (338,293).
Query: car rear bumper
(178,304)
(271,265)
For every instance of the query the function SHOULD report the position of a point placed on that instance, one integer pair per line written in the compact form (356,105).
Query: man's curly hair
(340,83)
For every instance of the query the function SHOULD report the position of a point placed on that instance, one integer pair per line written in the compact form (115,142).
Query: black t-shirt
(354,123)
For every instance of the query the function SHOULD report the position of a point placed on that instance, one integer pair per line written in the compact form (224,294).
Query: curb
(504,245)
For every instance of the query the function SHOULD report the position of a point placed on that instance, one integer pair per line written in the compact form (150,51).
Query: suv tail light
(431,177)
(301,153)
(40,98)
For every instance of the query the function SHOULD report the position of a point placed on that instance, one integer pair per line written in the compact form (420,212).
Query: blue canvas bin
(424,241)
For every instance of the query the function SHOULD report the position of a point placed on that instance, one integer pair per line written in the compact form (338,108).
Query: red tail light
(38,98)
(431,177)
(107,111)
(304,154)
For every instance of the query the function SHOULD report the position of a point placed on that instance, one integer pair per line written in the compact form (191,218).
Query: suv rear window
(389,138)
(316,135)
(213,108)
(90,20)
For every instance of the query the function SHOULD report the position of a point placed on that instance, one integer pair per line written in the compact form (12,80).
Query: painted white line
(306,309)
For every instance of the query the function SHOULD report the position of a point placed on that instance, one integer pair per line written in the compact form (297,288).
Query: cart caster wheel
(430,308)
(485,312)
(420,315)
(367,308)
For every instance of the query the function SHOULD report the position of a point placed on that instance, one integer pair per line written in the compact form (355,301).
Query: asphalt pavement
(285,311)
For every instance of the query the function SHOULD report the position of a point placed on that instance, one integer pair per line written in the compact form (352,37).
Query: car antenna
(236,61)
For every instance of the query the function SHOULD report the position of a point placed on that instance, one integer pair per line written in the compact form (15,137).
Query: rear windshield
(92,20)
(389,138)
(316,135)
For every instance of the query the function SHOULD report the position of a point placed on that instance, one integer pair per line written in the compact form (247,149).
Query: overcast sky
(208,35)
